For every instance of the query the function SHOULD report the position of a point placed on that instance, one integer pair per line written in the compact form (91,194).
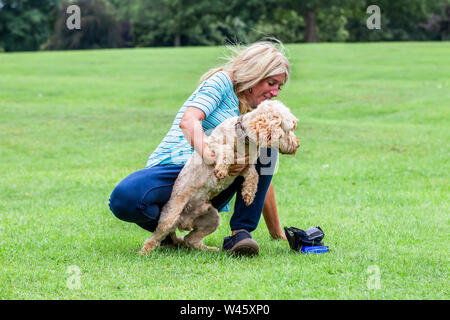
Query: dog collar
(240,132)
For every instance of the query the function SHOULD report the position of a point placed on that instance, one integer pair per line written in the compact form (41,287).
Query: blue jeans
(140,197)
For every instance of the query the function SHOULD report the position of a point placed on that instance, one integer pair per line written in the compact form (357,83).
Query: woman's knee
(126,204)
(139,197)
(123,203)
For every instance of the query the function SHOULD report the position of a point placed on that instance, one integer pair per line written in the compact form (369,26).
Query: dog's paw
(148,247)
(204,247)
(220,174)
(248,199)
(143,252)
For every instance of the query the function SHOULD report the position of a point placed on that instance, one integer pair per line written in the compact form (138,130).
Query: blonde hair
(251,64)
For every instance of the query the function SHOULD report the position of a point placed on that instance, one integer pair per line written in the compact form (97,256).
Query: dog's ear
(266,128)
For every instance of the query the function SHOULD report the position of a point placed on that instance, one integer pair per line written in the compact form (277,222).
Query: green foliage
(400,20)
(99,27)
(284,24)
(332,23)
(169,22)
(24,24)
(166,22)
(31,25)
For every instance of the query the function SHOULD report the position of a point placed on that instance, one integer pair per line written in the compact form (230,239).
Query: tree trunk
(177,41)
(311,26)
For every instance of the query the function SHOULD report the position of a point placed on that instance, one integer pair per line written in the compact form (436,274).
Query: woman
(254,74)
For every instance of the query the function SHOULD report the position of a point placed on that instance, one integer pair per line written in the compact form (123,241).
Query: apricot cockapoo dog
(271,124)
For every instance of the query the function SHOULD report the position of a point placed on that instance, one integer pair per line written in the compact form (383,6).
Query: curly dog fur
(271,124)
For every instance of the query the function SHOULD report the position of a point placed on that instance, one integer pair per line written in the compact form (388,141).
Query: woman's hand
(278,236)
(240,163)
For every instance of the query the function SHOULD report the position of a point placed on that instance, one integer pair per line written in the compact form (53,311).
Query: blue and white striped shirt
(216,98)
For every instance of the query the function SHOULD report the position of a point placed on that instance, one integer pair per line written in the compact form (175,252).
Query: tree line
(42,25)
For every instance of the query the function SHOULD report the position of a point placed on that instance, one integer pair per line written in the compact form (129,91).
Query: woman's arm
(191,125)
(270,214)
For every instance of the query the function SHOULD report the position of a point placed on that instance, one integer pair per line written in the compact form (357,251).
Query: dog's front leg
(224,158)
(250,184)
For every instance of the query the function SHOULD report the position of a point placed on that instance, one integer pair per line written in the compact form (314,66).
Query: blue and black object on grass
(314,249)
(309,241)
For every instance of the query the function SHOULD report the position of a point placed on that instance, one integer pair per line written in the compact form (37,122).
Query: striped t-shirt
(216,98)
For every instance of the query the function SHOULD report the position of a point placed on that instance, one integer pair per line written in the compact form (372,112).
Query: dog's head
(272,124)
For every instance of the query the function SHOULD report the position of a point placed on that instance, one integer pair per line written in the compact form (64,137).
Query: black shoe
(241,244)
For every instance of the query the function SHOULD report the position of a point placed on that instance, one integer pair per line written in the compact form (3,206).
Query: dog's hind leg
(186,221)
(203,225)
(176,240)
(167,223)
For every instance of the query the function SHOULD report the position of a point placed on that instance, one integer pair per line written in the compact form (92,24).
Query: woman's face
(265,89)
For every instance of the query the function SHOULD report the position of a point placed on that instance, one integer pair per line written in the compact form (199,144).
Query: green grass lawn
(372,171)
